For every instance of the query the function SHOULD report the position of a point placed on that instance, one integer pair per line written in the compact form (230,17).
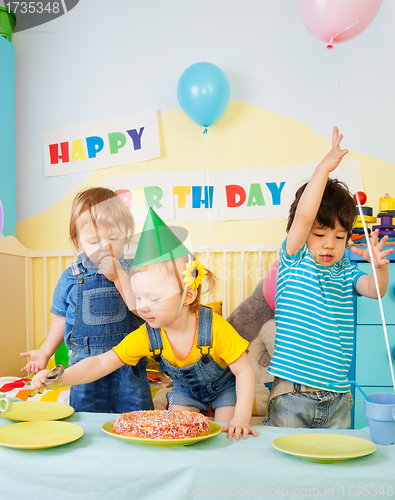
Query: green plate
(214,430)
(324,447)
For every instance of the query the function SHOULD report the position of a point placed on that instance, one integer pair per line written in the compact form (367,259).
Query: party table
(100,466)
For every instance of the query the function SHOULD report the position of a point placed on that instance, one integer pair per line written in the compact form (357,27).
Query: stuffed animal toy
(254,321)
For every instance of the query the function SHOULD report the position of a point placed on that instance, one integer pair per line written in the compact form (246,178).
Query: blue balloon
(203,93)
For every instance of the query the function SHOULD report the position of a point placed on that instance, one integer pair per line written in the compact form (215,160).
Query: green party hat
(157,243)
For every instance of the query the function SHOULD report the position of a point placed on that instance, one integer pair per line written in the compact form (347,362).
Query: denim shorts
(183,398)
(316,409)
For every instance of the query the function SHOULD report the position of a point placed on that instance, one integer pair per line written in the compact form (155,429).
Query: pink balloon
(335,21)
(270,285)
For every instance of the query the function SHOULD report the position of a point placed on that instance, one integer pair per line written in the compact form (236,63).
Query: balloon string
(208,196)
(368,243)
(340,94)
(377,287)
(208,187)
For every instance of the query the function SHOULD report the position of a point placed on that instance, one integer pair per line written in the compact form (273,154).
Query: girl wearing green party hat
(198,349)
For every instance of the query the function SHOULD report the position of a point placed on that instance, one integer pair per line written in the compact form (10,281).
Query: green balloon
(62,355)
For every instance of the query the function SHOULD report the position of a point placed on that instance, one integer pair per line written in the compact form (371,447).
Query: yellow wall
(246,136)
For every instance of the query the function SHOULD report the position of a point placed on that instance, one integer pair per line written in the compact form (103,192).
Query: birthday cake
(162,424)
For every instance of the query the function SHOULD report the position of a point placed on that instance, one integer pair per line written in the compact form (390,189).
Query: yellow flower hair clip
(194,274)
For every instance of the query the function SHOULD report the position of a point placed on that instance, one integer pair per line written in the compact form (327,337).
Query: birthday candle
(170,405)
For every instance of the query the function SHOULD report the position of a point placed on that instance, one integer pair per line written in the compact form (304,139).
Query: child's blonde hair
(101,207)
(175,267)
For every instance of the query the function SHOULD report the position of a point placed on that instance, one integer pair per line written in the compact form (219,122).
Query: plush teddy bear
(254,320)
(250,318)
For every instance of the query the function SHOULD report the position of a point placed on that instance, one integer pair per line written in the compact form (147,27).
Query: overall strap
(205,324)
(78,271)
(127,265)
(155,342)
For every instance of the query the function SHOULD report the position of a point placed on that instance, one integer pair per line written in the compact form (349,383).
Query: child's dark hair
(337,204)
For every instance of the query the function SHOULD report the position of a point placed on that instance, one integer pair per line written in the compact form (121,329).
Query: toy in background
(253,319)
(386,216)
(358,235)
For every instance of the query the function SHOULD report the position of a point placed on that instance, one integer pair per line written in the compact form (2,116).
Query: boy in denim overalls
(197,348)
(90,314)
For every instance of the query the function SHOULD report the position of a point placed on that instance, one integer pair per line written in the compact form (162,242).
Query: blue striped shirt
(314,320)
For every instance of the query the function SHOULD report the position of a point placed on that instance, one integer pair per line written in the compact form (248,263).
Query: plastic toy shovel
(51,383)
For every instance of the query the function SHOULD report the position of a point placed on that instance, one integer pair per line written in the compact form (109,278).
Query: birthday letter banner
(100,144)
(259,193)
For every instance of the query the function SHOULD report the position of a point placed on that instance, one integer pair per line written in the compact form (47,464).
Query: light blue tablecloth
(98,466)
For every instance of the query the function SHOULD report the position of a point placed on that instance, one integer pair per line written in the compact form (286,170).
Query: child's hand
(38,381)
(335,155)
(379,255)
(239,426)
(110,267)
(38,361)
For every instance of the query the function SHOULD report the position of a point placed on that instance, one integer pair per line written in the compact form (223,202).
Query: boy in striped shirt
(314,303)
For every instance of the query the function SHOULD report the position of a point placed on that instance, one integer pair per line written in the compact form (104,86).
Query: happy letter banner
(101,144)
(260,193)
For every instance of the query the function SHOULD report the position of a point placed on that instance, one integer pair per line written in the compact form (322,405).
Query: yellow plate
(322,447)
(38,435)
(33,411)
(214,430)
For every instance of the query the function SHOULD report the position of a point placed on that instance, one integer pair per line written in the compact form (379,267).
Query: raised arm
(310,200)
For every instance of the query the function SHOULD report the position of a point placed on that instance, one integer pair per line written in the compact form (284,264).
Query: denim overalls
(203,382)
(102,320)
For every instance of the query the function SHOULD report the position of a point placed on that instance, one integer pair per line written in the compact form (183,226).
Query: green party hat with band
(157,243)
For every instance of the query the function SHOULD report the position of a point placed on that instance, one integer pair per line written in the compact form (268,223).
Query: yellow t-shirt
(227,346)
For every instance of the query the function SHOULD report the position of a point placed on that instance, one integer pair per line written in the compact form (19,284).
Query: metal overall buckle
(205,355)
(157,356)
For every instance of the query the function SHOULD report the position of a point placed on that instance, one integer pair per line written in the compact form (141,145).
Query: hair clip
(194,274)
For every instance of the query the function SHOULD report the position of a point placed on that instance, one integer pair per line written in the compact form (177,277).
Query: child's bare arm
(39,357)
(366,285)
(245,392)
(310,200)
(112,270)
(83,372)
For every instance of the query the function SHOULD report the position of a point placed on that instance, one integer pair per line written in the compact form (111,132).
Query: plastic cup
(5,403)
(380,412)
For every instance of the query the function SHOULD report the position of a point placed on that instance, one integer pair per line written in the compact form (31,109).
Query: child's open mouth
(326,258)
